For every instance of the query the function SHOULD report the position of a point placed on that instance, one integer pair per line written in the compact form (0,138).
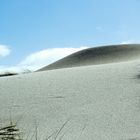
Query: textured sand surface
(96,56)
(97,102)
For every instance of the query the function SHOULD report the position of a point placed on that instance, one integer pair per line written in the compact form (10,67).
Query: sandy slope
(97,55)
(98,102)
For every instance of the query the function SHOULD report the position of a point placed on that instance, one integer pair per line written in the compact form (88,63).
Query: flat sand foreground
(90,102)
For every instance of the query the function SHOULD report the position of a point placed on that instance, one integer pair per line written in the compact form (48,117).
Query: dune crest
(97,55)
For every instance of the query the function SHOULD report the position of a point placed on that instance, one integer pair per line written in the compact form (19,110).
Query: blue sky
(29,28)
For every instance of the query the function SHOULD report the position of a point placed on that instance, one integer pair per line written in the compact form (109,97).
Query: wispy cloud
(4,50)
(130,42)
(39,59)
(42,58)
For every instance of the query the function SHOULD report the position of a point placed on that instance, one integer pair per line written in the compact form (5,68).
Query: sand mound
(100,102)
(99,55)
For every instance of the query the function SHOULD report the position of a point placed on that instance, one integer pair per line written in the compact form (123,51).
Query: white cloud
(4,50)
(44,57)
(130,42)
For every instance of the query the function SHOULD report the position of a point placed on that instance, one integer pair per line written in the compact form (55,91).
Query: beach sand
(81,97)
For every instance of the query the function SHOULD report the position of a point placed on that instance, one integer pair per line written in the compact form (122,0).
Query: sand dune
(100,102)
(99,55)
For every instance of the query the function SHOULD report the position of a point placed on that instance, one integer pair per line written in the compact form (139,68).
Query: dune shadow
(138,76)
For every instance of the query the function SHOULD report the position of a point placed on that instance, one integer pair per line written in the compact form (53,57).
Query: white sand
(98,55)
(100,102)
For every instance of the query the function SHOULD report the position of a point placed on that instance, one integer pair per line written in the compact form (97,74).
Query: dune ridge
(97,55)
(100,102)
